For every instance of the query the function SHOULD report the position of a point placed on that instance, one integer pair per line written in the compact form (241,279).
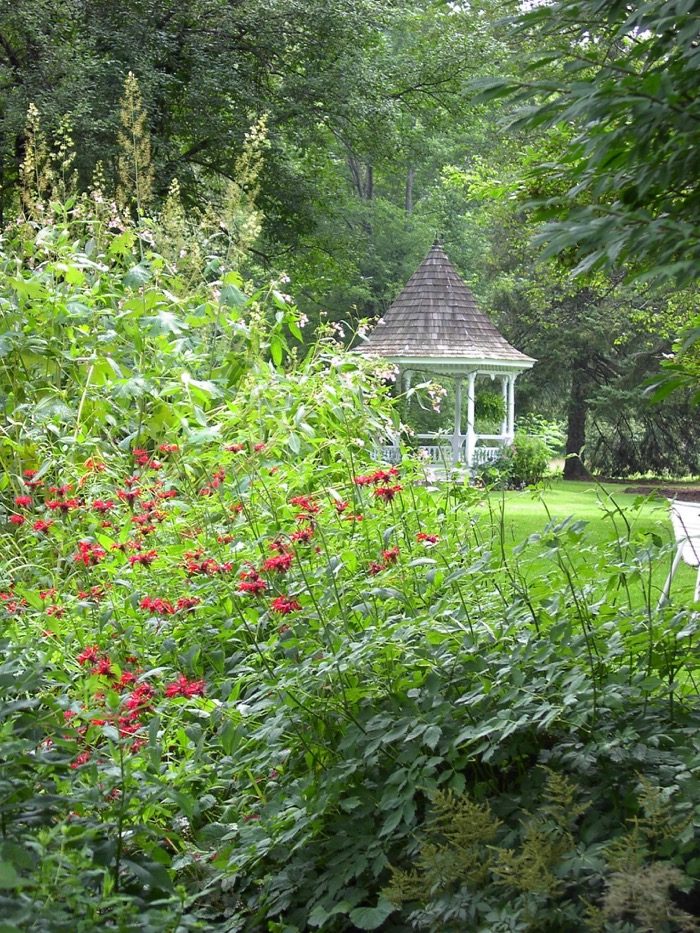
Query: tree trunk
(574,466)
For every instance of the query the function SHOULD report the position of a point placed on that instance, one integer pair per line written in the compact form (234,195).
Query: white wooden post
(457,436)
(504,421)
(471,437)
(511,407)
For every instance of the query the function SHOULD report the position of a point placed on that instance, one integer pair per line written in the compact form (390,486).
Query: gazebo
(435,326)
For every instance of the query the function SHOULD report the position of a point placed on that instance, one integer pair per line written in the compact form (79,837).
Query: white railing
(436,453)
(486,455)
(389,453)
(441,454)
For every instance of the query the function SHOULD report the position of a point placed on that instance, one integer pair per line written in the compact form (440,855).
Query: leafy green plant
(247,672)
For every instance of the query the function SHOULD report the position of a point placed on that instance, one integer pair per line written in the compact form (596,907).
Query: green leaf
(371,918)
(138,276)
(8,876)
(276,350)
(432,736)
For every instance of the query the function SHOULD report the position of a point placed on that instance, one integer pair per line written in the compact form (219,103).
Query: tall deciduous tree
(626,77)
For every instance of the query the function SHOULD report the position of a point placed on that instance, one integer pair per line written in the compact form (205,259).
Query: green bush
(528,460)
(252,682)
(524,463)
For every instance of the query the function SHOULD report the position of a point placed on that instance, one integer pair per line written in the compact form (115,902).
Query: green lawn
(525,513)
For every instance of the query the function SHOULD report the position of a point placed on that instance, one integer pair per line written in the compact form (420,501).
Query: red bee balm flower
(41,525)
(23,501)
(82,759)
(100,505)
(284,605)
(387,493)
(89,553)
(161,607)
(427,539)
(380,476)
(103,667)
(252,582)
(187,603)
(146,558)
(64,505)
(182,687)
(88,654)
(303,535)
(391,555)
(252,586)
(305,503)
(17,519)
(280,563)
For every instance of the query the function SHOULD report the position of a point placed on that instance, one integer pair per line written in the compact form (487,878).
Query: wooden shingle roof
(436,317)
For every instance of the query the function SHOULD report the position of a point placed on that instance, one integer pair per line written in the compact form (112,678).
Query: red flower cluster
(379,476)
(168,448)
(63,505)
(88,654)
(42,525)
(102,506)
(164,607)
(390,556)
(280,563)
(146,558)
(235,448)
(208,567)
(95,592)
(17,519)
(81,759)
(23,501)
(103,667)
(128,495)
(89,553)
(303,535)
(305,503)
(426,538)
(182,687)
(251,582)
(161,607)
(387,493)
(140,698)
(284,605)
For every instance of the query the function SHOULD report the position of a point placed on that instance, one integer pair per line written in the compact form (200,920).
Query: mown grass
(527,512)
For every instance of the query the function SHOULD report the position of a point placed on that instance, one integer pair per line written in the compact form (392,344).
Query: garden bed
(670,492)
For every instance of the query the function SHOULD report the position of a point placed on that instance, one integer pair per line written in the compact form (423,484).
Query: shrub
(528,460)
(524,463)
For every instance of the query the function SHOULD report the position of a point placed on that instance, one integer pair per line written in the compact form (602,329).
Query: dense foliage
(251,681)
